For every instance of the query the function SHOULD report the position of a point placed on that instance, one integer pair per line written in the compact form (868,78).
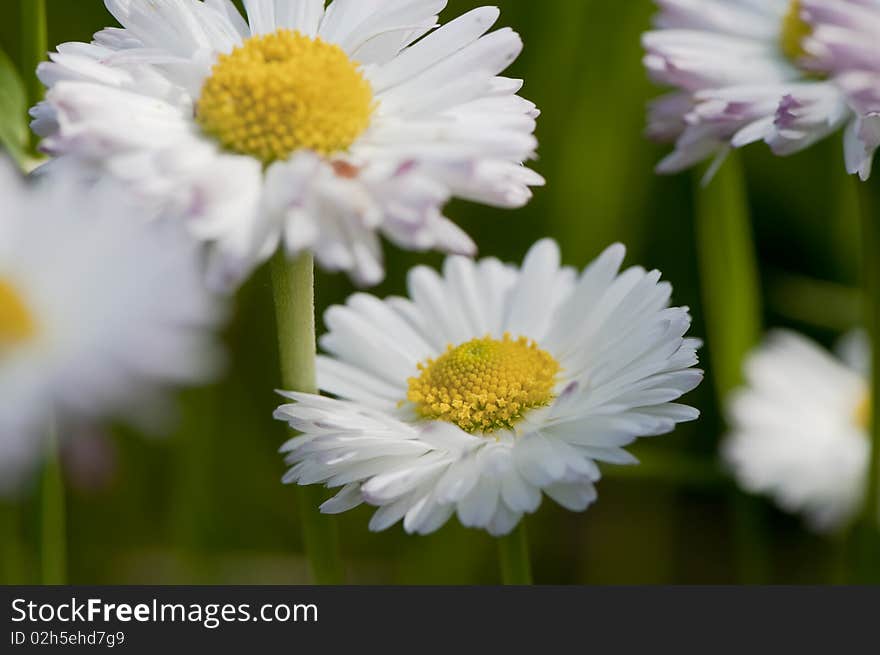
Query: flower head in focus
(305,127)
(799,428)
(743,74)
(490,386)
(100,310)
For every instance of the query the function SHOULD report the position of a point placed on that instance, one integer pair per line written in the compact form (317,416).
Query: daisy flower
(742,75)
(799,429)
(843,42)
(309,128)
(97,314)
(490,386)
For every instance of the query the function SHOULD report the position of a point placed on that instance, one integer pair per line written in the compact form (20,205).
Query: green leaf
(13,110)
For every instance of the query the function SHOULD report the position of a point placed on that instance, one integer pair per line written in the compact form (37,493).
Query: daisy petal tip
(663,168)
(467,250)
(545,247)
(367,281)
(616,250)
(486,15)
(290,395)
(498,534)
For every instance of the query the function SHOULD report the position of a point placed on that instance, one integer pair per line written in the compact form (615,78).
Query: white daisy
(99,308)
(799,428)
(308,127)
(488,386)
(845,42)
(742,76)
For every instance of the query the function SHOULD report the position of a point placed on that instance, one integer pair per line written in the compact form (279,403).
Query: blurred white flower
(488,386)
(845,42)
(799,428)
(309,128)
(742,75)
(99,309)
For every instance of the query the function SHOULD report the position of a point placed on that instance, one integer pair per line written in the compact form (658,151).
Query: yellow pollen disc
(863,411)
(16,322)
(794,30)
(485,384)
(282,92)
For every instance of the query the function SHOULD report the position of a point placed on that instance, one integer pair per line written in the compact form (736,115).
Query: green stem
(729,272)
(14,566)
(53,519)
(34,46)
(845,226)
(294,289)
(732,312)
(867,532)
(513,557)
(195,511)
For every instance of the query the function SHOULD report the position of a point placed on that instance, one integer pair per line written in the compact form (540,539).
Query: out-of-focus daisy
(844,42)
(307,127)
(99,309)
(799,428)
(742,75)
(489,385)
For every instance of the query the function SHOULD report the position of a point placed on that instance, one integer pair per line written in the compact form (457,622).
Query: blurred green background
(204,504)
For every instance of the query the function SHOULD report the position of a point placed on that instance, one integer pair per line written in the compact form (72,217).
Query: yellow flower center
(282,92)
(16,322)
(863,411)
(485,384)
(794,30)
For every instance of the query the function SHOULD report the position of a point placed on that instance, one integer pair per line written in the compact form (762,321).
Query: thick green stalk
(34,46)
(867,533)
(729,273)
(732,312)
(294,289)
(53,517)
(513,557)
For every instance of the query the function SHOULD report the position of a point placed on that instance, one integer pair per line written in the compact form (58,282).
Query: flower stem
(294,289)
(14,560)
(513,556)
(867,532)
(34,45)
(732,313)
(195,510)
(53,519)
(729,272)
